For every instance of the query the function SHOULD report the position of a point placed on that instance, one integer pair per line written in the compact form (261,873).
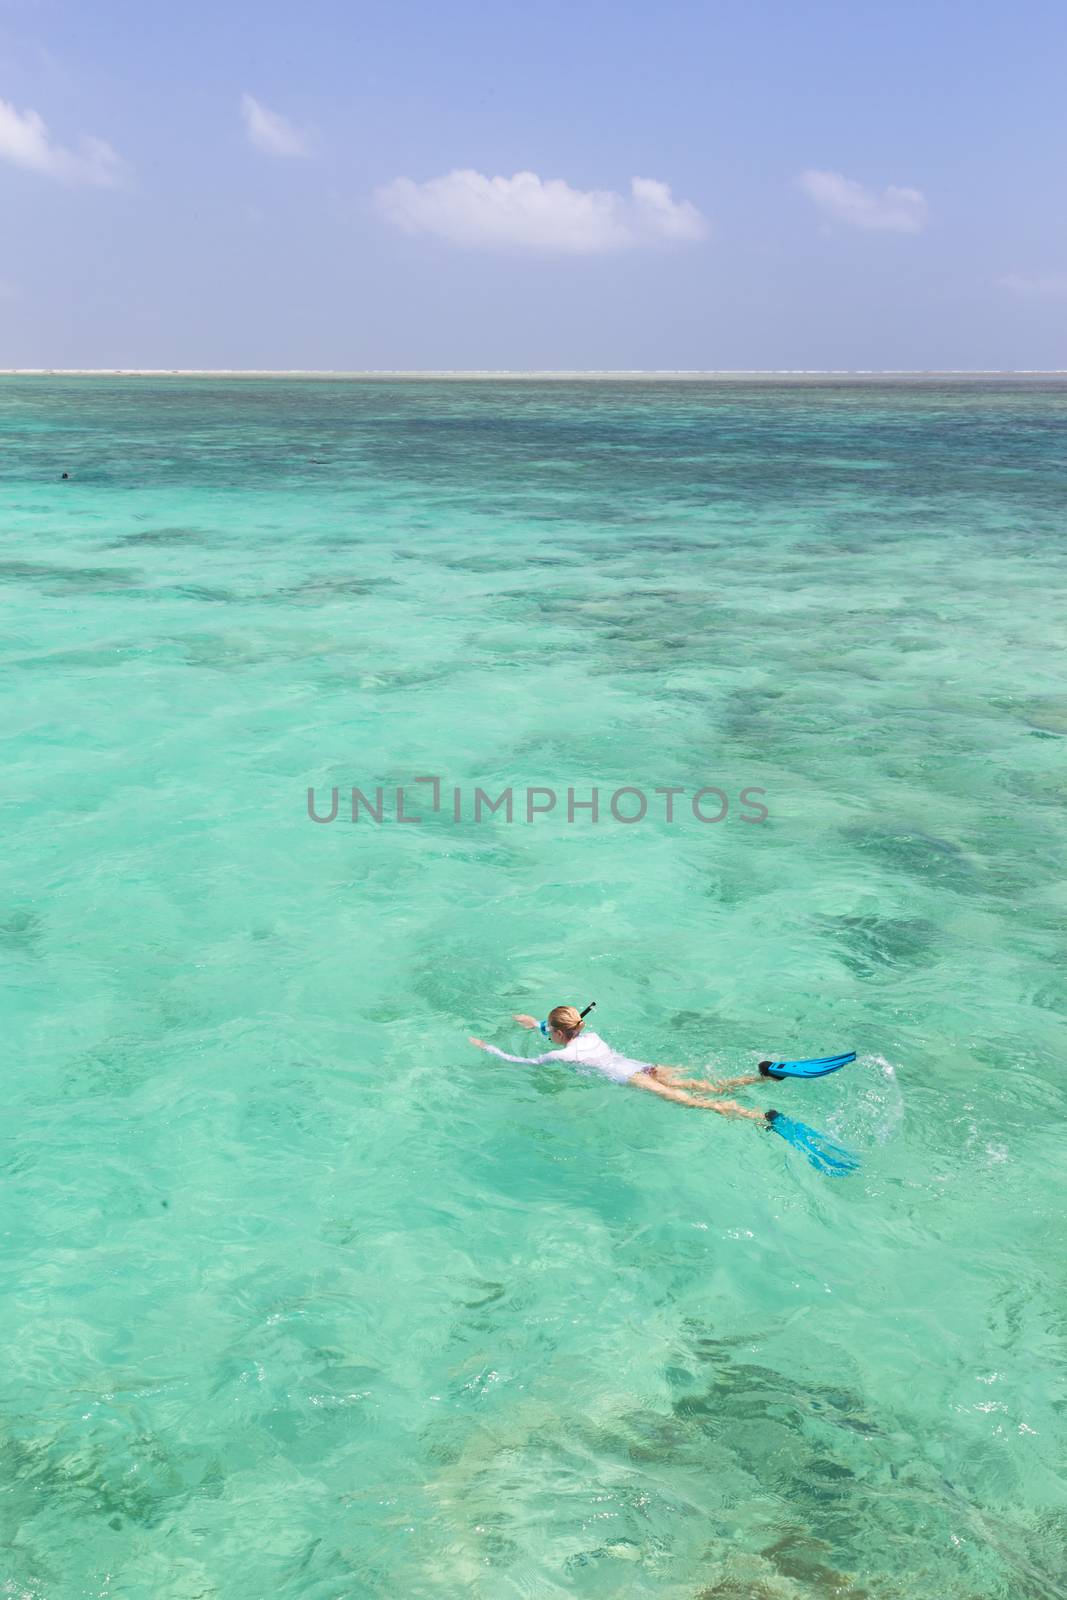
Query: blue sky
(334,185)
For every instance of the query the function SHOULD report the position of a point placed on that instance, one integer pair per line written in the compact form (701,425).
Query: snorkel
(583,1014)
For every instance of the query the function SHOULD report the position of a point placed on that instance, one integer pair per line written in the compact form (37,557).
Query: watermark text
(626,806)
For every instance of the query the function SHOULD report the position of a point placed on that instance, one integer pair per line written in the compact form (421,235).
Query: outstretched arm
(521,1061)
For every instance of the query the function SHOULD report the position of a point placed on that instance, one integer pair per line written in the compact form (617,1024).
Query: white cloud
(1051,286)
(25,142)
(893,211)
(271,132)
(526,212)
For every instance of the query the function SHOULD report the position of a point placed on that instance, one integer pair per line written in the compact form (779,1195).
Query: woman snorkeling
(578,1045)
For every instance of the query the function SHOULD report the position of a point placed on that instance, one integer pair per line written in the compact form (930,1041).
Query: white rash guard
(587,1050)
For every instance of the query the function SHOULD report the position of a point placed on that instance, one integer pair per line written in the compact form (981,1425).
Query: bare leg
(681,1097)
(737,1083)
(670,1075)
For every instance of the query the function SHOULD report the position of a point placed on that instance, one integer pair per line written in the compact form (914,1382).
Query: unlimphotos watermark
(458,803)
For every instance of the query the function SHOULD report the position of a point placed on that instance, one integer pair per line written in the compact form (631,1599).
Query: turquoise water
(304,1297)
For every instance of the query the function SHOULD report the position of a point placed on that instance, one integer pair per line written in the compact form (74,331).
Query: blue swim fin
(818,1067)
(824,1155)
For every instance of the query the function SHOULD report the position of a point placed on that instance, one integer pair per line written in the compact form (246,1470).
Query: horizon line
(692,373)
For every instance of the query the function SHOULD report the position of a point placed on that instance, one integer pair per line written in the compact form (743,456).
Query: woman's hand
(479,1042)
(527,1022)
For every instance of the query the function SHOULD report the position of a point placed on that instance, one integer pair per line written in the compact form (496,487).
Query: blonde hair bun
(566,1019)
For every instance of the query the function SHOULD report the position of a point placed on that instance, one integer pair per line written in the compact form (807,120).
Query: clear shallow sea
(305,1299)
